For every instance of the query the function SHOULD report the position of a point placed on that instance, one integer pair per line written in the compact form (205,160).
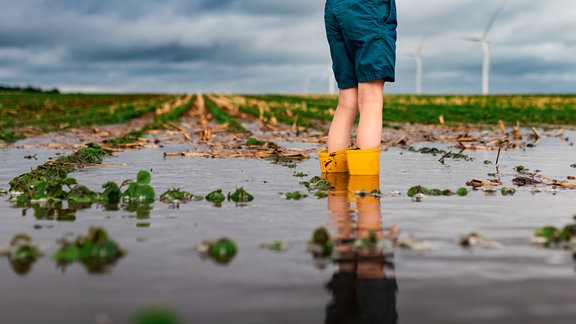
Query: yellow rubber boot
(333,162)
(363,162)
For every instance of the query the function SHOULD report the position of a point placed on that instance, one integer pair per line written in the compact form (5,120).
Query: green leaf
(223,250)
(68,254)
(462,192)
(111,193)
(241,195)
(69,181)
(215,196)
(143,177)
(147,193)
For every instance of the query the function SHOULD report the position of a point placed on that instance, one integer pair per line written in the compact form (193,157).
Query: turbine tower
(418,58)
(486,50)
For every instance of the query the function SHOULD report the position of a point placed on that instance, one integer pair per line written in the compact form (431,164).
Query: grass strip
(223,117)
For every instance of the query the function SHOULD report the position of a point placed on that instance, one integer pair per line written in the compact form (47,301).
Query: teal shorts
(362,39)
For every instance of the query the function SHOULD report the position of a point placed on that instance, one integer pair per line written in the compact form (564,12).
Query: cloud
(270,46)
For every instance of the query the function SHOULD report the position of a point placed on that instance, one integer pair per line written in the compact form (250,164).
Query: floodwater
(513,282)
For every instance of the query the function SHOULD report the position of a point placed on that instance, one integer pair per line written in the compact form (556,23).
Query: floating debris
(526,181)
(418,197)
(470,239)
(489,191)
(475,183)
(476,239)
(421,191)
(405,241)
(278,246)
(444,154)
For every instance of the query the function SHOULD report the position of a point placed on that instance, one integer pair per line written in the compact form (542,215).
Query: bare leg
(343,121)
(370,100)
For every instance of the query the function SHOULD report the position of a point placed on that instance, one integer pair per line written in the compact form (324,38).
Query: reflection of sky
(274,46)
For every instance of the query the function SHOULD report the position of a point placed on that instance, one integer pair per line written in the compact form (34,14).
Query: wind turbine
(305,83)
(418,58)
(330,80)
(486,51)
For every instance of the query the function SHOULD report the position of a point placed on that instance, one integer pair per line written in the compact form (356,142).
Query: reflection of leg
(369,223)
(343,307)
(341,219)
(377,300)
(369,217)
(368,207)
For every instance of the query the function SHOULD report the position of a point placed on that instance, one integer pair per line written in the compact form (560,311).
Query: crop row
(49,111)
(473,109)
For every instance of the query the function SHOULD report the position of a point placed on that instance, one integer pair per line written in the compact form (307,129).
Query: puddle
(449,284)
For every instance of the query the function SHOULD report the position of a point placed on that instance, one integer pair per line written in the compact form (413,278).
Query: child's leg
(343,121)
(370,100)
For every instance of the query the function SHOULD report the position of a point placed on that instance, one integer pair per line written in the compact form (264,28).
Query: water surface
(517,283)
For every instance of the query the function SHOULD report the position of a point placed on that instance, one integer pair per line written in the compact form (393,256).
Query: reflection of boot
(363,162)
(333,162)
(369,220)
(361,185)
(339,182)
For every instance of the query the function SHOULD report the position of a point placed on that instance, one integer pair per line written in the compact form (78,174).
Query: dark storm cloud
(218,54)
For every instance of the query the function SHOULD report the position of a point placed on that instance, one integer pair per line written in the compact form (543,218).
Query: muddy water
(515,283)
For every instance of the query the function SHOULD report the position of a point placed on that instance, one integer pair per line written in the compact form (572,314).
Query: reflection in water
(66,212)
(52,210)
(364,287)
(96,251)
(21,253)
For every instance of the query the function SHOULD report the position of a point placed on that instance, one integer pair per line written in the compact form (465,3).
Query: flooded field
(507,281)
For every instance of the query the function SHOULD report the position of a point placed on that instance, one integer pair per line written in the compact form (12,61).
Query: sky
(276,46)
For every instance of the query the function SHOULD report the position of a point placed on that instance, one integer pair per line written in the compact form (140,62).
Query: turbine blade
(472,39)
(420,46)
(493,19)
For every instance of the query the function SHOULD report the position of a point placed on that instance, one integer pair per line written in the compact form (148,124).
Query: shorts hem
(376,76)
(347,85)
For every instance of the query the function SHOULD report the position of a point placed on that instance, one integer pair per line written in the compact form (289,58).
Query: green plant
(240,195)
(296,195)
(216,197)
(176,195)
(139,191)
(320,244)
